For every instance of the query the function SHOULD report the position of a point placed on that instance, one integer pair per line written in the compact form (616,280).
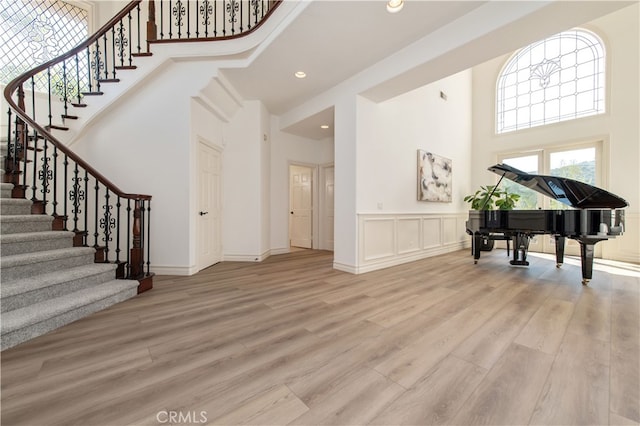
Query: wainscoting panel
(431,232)
(394,238)
(379,238)
(408,235)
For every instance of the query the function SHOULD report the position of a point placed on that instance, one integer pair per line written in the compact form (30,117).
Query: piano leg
(586,255)
(520,247)
(559,251)
(476,244)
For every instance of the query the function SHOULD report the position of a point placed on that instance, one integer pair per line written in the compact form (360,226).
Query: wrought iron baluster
(34,168)
(85,234)
(113,50)
(118,228)
(121,43)
(55,181)
(76,195)
(95,222)
(78,89)
(215,17)
(138,11)
(241,11)
(90,88)
(66,191)
(224,17)
(130,36)
(107,223)
(170,22)
(178,11)
(197,20)
(45,174)
(128,274)
(189,19)
(98,65)
(161,20)
(106,57)
(148,242)
(64,87)
(48,95)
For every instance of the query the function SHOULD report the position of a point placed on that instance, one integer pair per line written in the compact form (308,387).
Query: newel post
(137,265)
(152,29)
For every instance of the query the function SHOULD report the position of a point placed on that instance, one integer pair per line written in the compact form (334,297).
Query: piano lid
(568,191)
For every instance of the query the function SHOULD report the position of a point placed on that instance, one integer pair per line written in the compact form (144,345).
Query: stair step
(31,242)
(35,320)
(12,224)
(26,265)
(69,117)
(5,189)
(141,54)
(126,67)
(23,292)
(56,127)
(109,80)
(92,93)
(79,105)
(15,206)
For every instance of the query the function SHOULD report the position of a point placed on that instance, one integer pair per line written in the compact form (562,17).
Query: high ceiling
(332,41)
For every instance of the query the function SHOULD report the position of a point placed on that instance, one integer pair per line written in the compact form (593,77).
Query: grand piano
(595,215)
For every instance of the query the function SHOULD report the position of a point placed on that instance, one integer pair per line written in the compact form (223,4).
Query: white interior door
(327,207)
(300,206)
(209,227)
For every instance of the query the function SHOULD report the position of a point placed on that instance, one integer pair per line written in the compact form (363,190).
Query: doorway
(209,213)
(300,206)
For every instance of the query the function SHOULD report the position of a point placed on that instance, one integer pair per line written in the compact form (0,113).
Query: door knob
(203,213)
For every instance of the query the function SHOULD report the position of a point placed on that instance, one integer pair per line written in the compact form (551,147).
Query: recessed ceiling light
(394,6)
(300,74)
(324,126)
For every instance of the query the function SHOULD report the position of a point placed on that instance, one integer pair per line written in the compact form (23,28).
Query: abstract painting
(434,177)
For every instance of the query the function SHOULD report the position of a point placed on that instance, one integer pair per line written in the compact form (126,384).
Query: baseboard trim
(174,270)
(247,257)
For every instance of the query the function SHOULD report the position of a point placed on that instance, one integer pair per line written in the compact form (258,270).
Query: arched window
(556,79)
(36,31)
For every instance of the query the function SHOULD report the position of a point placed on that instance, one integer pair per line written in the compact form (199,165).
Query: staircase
(46,282)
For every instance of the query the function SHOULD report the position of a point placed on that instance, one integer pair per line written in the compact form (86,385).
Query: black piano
(595,216)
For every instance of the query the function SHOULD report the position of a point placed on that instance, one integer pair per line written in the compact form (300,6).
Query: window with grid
(36,31)
(556,79)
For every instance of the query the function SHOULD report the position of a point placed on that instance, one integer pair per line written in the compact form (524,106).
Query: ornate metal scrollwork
(76,194)
(45,174)
(122,42)
(108,222)
(179,11)
(206,10)
(233,6)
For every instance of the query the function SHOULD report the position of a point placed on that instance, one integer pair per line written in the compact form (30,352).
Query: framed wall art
(434,177)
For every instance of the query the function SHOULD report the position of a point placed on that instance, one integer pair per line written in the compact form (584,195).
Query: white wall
(287,149)
(619,127)
(243,202)
(394,130)
(392,226)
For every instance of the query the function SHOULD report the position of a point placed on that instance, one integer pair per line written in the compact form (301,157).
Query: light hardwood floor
(292,341)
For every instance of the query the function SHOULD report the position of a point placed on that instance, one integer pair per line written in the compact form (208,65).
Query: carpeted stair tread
(44,256)
(12,224)
(21,292)
(15,206)
(38,318)
(31,242)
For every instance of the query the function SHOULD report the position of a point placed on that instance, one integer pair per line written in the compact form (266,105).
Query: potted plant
(491,198)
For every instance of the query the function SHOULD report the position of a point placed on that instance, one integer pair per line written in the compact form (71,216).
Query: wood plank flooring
(290,341)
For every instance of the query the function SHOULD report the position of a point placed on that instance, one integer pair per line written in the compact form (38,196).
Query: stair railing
(58,181)
(201,20)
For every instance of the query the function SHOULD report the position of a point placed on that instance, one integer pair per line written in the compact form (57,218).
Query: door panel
(301,207)
(209,226)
